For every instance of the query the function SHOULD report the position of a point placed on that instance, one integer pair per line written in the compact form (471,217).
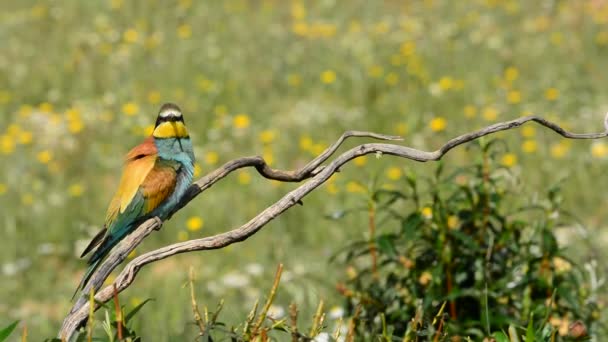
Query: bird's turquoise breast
(181,152)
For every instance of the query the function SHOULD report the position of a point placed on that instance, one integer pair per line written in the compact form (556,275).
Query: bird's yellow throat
(170,129)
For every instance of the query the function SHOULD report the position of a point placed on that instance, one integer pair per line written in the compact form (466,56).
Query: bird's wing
(156,187)
(138,164)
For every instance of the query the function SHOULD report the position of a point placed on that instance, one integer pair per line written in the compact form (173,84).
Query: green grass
(304,71)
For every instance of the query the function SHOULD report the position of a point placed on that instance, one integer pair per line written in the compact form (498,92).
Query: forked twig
(314,171)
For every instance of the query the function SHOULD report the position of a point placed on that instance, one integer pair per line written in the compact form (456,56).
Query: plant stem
(118,314)
(271,295)
(197,314)
(372,237)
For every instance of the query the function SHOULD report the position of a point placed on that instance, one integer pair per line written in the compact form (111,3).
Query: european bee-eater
(156,175)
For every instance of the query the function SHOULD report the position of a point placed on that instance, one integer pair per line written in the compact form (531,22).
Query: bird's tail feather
(87,275)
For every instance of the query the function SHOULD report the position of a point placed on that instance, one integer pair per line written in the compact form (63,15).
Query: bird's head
(170,123)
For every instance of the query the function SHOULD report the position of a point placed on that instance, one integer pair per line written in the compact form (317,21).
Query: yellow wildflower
(391,78)
(375,71)
(305,143)
(470,111)
(551,94)
(13,130)
(130,35)
(509,160)
(407,49)
(185,4)
(298,11)
(2,188)
(427,212)
(490,113)
(300,28)
(135,301)
(27,199)
(561,265)
(220,110)
(75,126)
(268,155)
(562,324)
(528,131)
(154,97)
(294,80)
(332,188)
(130,108)
(25,111)
(514,96)
(184,31)
(511,74)
(559,150)
(194,223)
(388,186)
(599,150)
(318,148)
(267,136)
(76,189)
(355,187)
(438,124)
(205,84)
(116,4)
(182,235)
(453,222)
(46,107)
(425,278)
(446,83)
(557,38)
(244,177)
(7,144)
(351,272)
(44,156)
(38,11)
(394,173)
(529,146)
(360,161)
(401,128)
(241,121)
(381,27)
(211,157)
(328,76)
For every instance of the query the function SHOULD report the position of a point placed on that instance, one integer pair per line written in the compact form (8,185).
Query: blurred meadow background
(81,83)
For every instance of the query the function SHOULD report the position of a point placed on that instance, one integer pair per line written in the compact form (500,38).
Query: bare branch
(313,171)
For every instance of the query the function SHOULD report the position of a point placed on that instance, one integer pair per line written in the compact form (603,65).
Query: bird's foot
(159,223)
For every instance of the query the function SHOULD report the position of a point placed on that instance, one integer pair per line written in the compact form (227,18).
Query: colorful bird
(156,175)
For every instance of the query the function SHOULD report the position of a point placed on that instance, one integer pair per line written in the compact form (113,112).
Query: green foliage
(6,331)
(110,325)
(471,248)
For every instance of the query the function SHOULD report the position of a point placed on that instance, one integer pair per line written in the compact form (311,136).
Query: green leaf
(411,224)
(530,330)
(513,334)
(5,333)
(136,310)
(501,337)
(385,245)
